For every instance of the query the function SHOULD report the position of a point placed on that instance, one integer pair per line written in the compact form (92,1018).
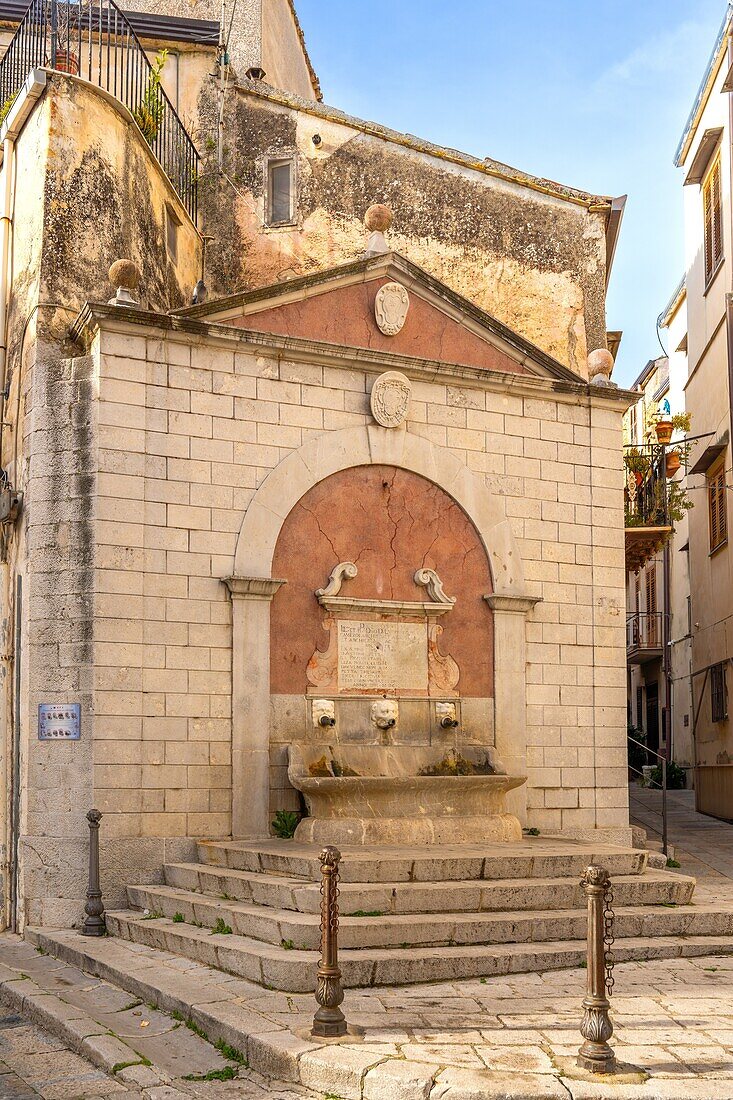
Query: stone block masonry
(173,435)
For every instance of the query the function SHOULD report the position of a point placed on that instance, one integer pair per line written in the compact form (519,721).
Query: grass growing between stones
(221,928)
(231,1053)
(228,1073)
(178,918)
(119,1066)
(366,913)
(287,945)
(154,914)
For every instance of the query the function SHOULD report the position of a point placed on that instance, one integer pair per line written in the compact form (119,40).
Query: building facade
(700,335)
(362,402)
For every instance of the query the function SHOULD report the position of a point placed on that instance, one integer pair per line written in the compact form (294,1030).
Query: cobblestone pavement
(511,1038)
(702,839)
(34,1063)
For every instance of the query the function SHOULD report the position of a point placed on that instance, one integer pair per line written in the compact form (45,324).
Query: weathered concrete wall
(105,197)
(284,57)
(82,168)
(534,261)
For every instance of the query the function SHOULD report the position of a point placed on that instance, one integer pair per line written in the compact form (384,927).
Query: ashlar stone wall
(188,429)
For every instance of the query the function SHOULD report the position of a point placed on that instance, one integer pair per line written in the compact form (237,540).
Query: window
(718,693)
(172,222)
(280,205)
(712,211)
(651,605)
(717,507)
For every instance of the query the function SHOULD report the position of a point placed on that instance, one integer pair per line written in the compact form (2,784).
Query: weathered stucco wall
(283,55)
(534,261)
(105,198)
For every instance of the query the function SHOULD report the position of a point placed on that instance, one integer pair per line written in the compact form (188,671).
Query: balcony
(93,40)
(651,502)
(644,637)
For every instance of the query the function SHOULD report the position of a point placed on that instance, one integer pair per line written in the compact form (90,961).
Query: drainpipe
(6,224)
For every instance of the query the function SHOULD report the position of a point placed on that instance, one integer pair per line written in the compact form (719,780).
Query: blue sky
(593,96)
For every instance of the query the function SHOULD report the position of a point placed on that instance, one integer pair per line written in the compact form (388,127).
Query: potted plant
(672,462)
(637,463)
(149,114)
(664,428)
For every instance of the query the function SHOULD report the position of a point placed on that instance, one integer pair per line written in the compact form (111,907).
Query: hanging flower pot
(672,462)
(664,429)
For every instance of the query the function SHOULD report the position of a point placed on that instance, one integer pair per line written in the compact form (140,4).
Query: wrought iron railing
(644,630)
(93,39)
(646,492)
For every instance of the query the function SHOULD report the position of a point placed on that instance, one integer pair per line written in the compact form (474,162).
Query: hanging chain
(608,939)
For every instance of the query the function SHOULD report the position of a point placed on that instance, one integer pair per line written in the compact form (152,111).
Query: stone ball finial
(600,366)
(378,218)
(125,277)
(125,273)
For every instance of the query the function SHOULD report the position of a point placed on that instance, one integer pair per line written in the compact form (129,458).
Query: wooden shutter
(713,215)
(718,508)
(651,605)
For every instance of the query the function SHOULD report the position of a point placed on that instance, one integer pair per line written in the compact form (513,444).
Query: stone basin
(373,794)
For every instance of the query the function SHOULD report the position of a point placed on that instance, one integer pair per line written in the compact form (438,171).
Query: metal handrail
(644,629)
(94,40)
(663,759)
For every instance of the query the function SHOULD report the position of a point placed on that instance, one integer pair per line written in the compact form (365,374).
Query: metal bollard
(329,1021)
(94,923)
(595,1054)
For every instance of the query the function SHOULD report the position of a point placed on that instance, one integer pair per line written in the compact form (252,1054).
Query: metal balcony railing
(95,41)
(644,630)
(646,493)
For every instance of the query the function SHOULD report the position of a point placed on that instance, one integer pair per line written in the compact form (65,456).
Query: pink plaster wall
(389,522)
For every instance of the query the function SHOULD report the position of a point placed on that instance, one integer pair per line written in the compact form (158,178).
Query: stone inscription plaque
(382,656)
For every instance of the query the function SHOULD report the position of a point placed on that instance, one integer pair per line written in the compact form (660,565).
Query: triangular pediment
(343,307)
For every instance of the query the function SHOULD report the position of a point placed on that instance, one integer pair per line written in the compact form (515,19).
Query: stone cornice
(252,588)
(520,605)
(95,316)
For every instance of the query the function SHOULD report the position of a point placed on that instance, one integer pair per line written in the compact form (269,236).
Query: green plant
(221,928)
(676,777)
(288,945)
(673,862)
(231,1053)
(636,461)
(366,913)
(178,918)
(681,422)
(5,109)
(636,753)
(228,1073)
(154,914)
(119,1066)
(284,824)
(532,832)
(149,114)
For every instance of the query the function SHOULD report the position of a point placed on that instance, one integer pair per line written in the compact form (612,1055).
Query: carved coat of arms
(390,399)
(390,308)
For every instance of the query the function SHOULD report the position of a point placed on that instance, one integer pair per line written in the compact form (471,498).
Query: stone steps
(530,859)
(293,971)
(472,896)
(278,926)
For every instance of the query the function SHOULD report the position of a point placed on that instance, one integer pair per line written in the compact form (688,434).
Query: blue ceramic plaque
(59,722)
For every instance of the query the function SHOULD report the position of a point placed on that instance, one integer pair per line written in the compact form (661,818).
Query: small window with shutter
(718,693)
(717,507)
(713,214)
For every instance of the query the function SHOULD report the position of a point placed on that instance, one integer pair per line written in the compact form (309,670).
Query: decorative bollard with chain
(595,1054)
(94,923)
(329,1021)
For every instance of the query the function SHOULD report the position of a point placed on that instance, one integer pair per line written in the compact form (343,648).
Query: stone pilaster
(251,598)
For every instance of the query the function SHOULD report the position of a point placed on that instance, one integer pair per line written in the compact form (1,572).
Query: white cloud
(666,53)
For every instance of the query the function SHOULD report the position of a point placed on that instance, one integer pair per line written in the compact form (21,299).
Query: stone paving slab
(509,1037)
